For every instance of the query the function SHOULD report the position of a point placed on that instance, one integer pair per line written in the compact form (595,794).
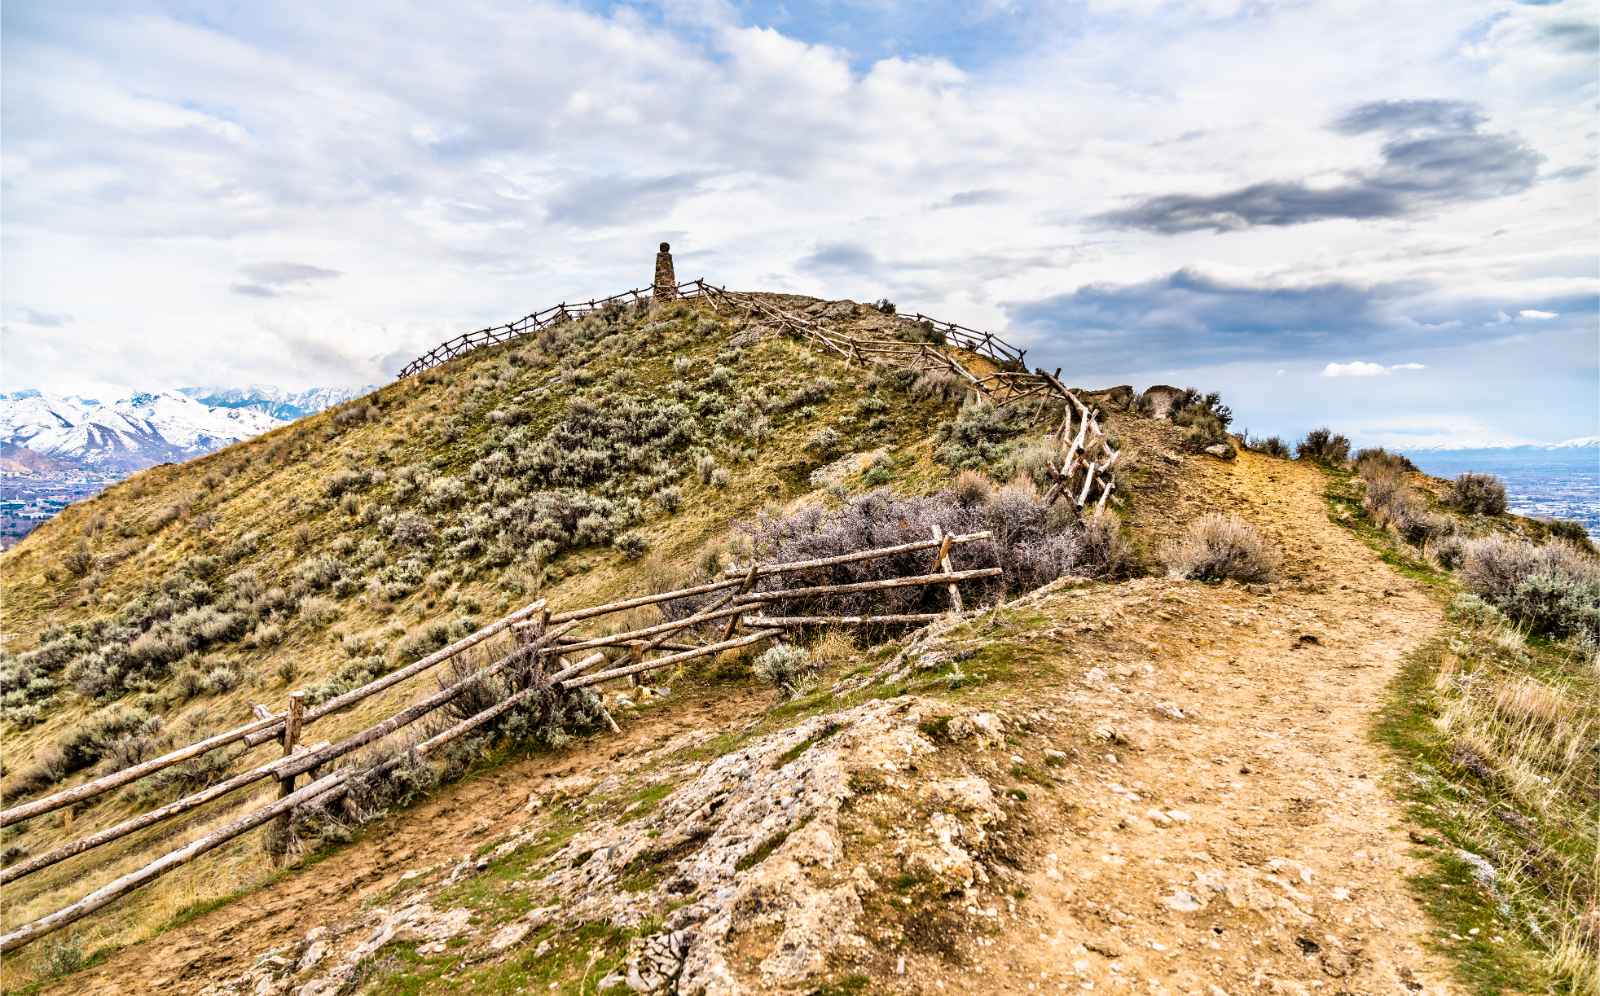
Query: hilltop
(1147,756)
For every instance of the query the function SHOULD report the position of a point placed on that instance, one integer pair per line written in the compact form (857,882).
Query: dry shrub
(1480,494)
(1554,588)
(1221,547)
(785,667)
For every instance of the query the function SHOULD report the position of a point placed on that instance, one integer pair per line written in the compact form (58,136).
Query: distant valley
(58,449)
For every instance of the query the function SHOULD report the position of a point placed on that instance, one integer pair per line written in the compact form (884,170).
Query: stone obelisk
(666,284)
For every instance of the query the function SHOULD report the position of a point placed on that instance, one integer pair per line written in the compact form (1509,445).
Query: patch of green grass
(763,852)
(646,800)
(1434,796)
(848,985)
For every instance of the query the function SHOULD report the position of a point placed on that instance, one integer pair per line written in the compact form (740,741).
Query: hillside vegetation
(1148,755)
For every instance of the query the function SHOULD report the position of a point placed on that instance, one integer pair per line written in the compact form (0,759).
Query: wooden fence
(466,342)
(1081,473)
(540,655)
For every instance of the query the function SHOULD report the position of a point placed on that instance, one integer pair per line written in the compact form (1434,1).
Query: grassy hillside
(603,456)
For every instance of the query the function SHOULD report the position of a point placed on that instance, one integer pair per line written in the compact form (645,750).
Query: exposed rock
(1158,399)
(1222,451)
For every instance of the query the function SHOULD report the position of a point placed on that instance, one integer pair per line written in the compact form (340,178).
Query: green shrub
(1323,446)
(1479,494)
(787,668)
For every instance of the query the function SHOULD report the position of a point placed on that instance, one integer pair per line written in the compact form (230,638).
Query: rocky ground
(1157,786)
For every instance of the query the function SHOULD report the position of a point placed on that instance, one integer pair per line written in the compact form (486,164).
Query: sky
(1383,216)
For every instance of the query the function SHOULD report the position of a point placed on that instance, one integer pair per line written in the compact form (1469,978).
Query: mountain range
(86,435)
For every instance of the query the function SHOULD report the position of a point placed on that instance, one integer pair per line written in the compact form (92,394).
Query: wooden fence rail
(466,342)
(541,636)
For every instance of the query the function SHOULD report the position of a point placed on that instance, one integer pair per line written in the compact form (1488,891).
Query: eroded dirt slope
(1198,804)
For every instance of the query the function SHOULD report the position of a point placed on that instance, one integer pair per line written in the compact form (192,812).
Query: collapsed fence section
(540,667)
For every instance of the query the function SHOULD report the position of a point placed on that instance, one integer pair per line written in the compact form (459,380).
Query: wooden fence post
(744,589)
(292,721)
(942,563)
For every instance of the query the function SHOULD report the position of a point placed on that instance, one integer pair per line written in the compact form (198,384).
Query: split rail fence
(543,659)
(466,342)
(1081,473)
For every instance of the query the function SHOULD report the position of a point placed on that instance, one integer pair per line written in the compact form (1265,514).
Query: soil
(1219,821)
(1250,845)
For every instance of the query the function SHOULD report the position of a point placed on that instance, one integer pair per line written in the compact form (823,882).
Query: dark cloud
(1577,37)
(253,290)
(838,257)
(1258,204)
(971,198)
(1409,115)
(1187,318)
(287,274)
(607,200)
(1435,155)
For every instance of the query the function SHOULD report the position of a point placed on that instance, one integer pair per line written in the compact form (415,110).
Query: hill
(1156,768)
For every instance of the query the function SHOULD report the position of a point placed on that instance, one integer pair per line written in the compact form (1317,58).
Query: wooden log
(294,717)
(90,789)
(766,622)
(114,890)
(567,646)
(377,685)
(671,659)
(768,570)
(785,594)
(942,563)
(733,620)
(136,823)
(642,600)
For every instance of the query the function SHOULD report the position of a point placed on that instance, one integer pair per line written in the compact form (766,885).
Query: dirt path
(1243,840)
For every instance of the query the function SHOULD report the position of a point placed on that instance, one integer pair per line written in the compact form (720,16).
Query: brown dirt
(442,829)
(1294,853)
(1283,869)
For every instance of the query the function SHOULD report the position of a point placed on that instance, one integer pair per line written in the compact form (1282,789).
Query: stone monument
(666,284)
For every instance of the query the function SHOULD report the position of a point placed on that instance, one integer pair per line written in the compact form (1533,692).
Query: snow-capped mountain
(137,431)
(275,401)
(1576,443)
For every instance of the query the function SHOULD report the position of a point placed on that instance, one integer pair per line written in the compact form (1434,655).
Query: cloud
(973,198)
(271,279)
(1535,314)
(839,256)
(43,319)
(613,198)
(1576,37)
(1364,368)
(1434,155)
(1410,115)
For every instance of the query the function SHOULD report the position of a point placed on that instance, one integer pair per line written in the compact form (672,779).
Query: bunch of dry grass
(1220,547)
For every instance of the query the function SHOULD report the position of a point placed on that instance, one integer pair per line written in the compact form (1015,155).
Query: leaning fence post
(292,721)
(744,589)
(942,563)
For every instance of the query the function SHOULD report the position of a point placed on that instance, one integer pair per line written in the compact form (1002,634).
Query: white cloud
(1363,368)
(452,181)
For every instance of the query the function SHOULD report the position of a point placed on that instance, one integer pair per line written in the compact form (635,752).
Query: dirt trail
(1243,840)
